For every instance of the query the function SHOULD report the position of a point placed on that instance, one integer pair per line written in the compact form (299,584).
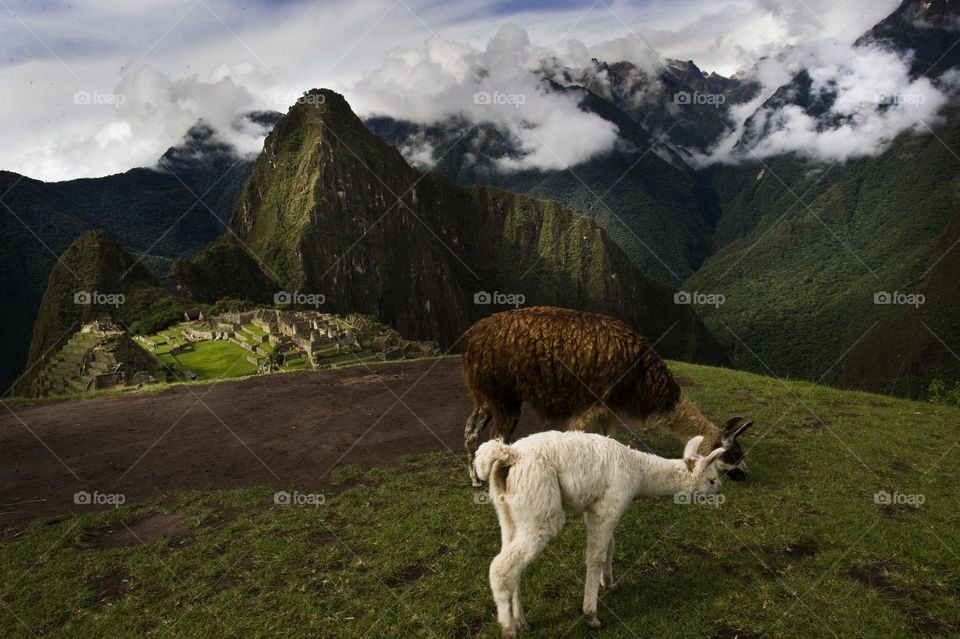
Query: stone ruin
(102,355)
(323,340)
(99,356)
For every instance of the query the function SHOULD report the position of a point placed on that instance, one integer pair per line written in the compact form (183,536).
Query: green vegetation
(211,359)
(941,394)
(802,548)
(800,277)
(97,279)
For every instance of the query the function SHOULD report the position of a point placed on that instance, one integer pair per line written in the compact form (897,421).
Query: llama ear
(704,462)
(731,425)
(690,455)
(729,438)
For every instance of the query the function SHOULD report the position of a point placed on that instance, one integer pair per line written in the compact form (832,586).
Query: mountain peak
(927,28)
(332,209)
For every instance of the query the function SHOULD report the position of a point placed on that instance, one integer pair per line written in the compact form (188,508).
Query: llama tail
(491,453)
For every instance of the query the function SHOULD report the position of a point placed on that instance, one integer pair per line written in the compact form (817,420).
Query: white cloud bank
(495,85)
(176,61)
(134,121)
(871,96)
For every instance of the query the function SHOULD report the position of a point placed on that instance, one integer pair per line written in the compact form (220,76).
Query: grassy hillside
(905,353)
(801,549)
(800,277)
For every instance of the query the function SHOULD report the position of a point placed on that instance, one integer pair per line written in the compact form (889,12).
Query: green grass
(213,359)
(801,549)
(253,328)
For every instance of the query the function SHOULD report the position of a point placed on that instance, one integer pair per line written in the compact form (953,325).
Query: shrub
(941,394)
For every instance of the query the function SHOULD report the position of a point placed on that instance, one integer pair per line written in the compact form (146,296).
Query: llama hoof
(612,587)
(521,623)
(592,621)
(508,634)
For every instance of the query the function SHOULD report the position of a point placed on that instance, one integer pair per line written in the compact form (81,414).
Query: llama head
(731,462)
(704,477)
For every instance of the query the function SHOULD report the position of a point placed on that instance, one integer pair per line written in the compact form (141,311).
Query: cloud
(870,98)
(178,60)
(133,124)
(494,85)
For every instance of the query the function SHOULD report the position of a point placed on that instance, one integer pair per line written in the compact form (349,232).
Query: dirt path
(285,430)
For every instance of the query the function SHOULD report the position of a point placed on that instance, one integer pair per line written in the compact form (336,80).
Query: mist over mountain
(845,165)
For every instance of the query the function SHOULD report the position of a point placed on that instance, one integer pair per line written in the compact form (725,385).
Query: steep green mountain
(331,209)
(96,278)
(903,354)
(153,212)
(801,247)
(800,276)
(642,195)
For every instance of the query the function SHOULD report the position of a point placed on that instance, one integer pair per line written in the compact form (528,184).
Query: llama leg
(599,533)
(596,419)
(506,417)
(476,424)
(512,423)
(606,579)
(532,526)
(507,533)
(505,571)
(519,619)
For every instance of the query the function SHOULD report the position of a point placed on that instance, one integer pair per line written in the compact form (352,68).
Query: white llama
(536,479)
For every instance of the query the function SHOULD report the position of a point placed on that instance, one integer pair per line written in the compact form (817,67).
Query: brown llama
(581,371)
